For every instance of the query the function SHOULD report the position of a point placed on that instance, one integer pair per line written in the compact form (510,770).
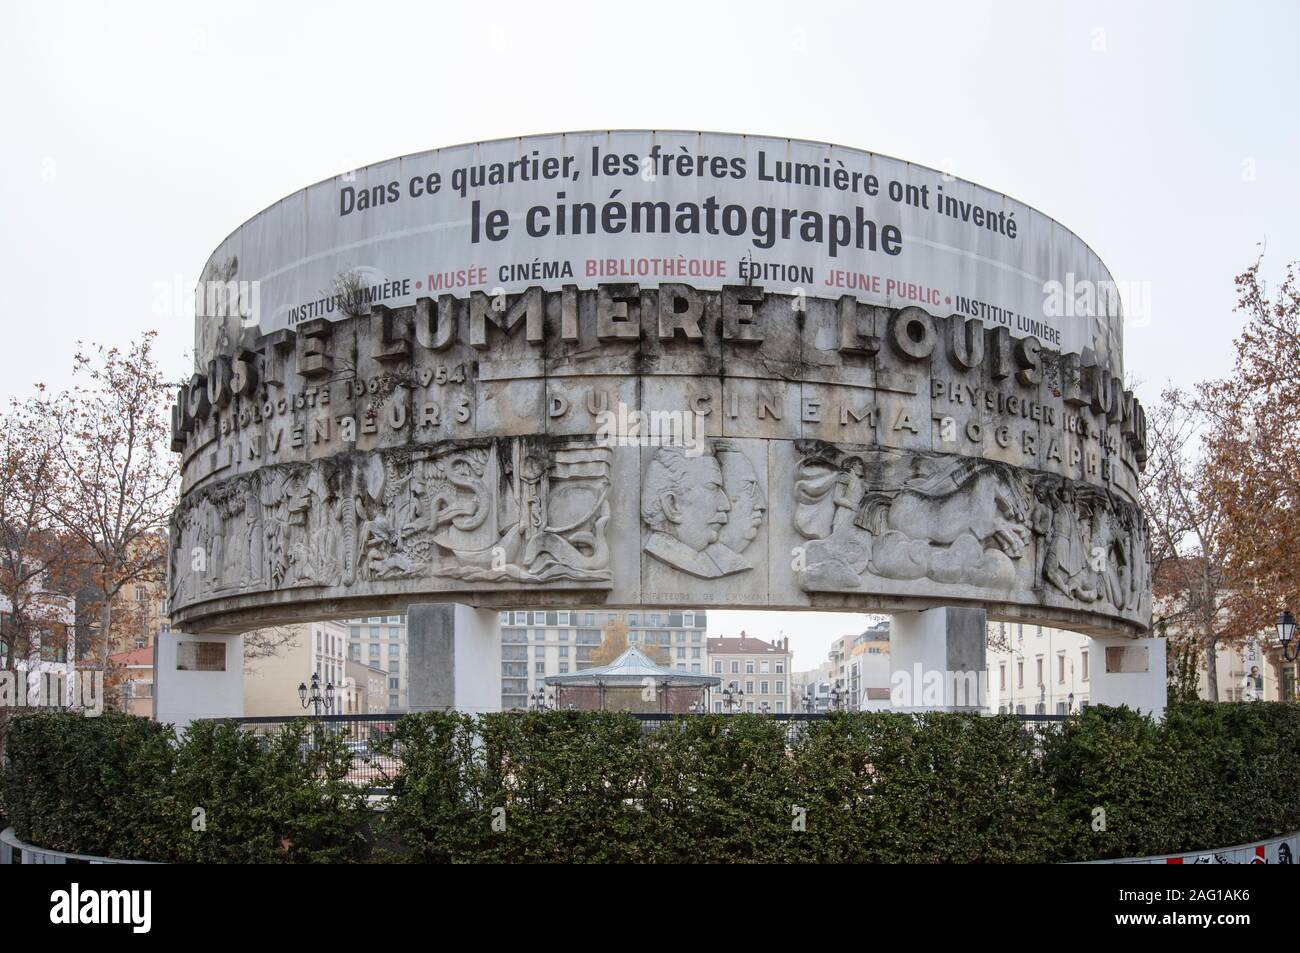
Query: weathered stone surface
(511,452)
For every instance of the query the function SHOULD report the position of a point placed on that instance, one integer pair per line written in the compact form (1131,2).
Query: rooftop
(633,667)
(748,645)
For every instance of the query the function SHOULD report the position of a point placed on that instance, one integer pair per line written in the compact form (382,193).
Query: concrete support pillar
(454,658)
(937,660)
(198,676)
(1124,671)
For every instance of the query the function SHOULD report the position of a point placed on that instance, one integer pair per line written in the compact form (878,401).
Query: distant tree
(35,558)
(113,479)
(1186,518)
(658,654)
(1183,666)
(1254,433)
(613,642)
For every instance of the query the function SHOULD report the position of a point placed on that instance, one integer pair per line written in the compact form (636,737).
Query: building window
(763,666)
(1083,664)
(780,668)
(521,618)
(688,619)
(762,688)
(780,689)
(201,656)
(1039,668)
(749,666)
(1020,676)
(540,668)
(735,668)
(1002,676)
(717,667)
(394,683)
(1060,669)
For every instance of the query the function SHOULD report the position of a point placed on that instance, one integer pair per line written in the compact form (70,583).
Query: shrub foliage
(593,787)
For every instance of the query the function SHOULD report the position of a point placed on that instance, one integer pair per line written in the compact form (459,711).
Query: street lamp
(697,707)
(731,697)
(314,697)
(766,708)
(538,701)
(836,695)
(1069,704)
(1285,632)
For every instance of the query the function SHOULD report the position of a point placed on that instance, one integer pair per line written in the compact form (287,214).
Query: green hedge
(121,786)
(592,787)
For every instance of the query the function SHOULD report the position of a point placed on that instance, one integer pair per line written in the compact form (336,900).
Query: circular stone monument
(657,368)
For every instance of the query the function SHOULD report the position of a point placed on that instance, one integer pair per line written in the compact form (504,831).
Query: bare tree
(34,556)
(1186,517)
(113,479)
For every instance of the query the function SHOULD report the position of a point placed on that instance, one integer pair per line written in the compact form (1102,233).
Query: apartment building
(381,642)
(1037,670)
(271,683)
(365,689)
(759,668)
(134,671)
(536,643)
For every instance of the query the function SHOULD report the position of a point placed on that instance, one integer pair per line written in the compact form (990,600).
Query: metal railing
(360,733)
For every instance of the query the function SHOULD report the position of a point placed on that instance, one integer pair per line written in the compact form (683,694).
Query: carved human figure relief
(917,516)
(689,502)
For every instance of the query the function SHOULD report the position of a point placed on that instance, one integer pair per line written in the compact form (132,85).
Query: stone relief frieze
(879,515)
(462,445)
(522,511)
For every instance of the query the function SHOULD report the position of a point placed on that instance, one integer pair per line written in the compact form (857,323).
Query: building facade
(365,689)
(381,642)
(756,667)
(1037,670)
(311,648)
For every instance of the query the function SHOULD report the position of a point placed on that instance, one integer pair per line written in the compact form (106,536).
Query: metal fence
(362,733)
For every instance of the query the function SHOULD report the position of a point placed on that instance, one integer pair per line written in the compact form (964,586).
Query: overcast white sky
(135,136)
